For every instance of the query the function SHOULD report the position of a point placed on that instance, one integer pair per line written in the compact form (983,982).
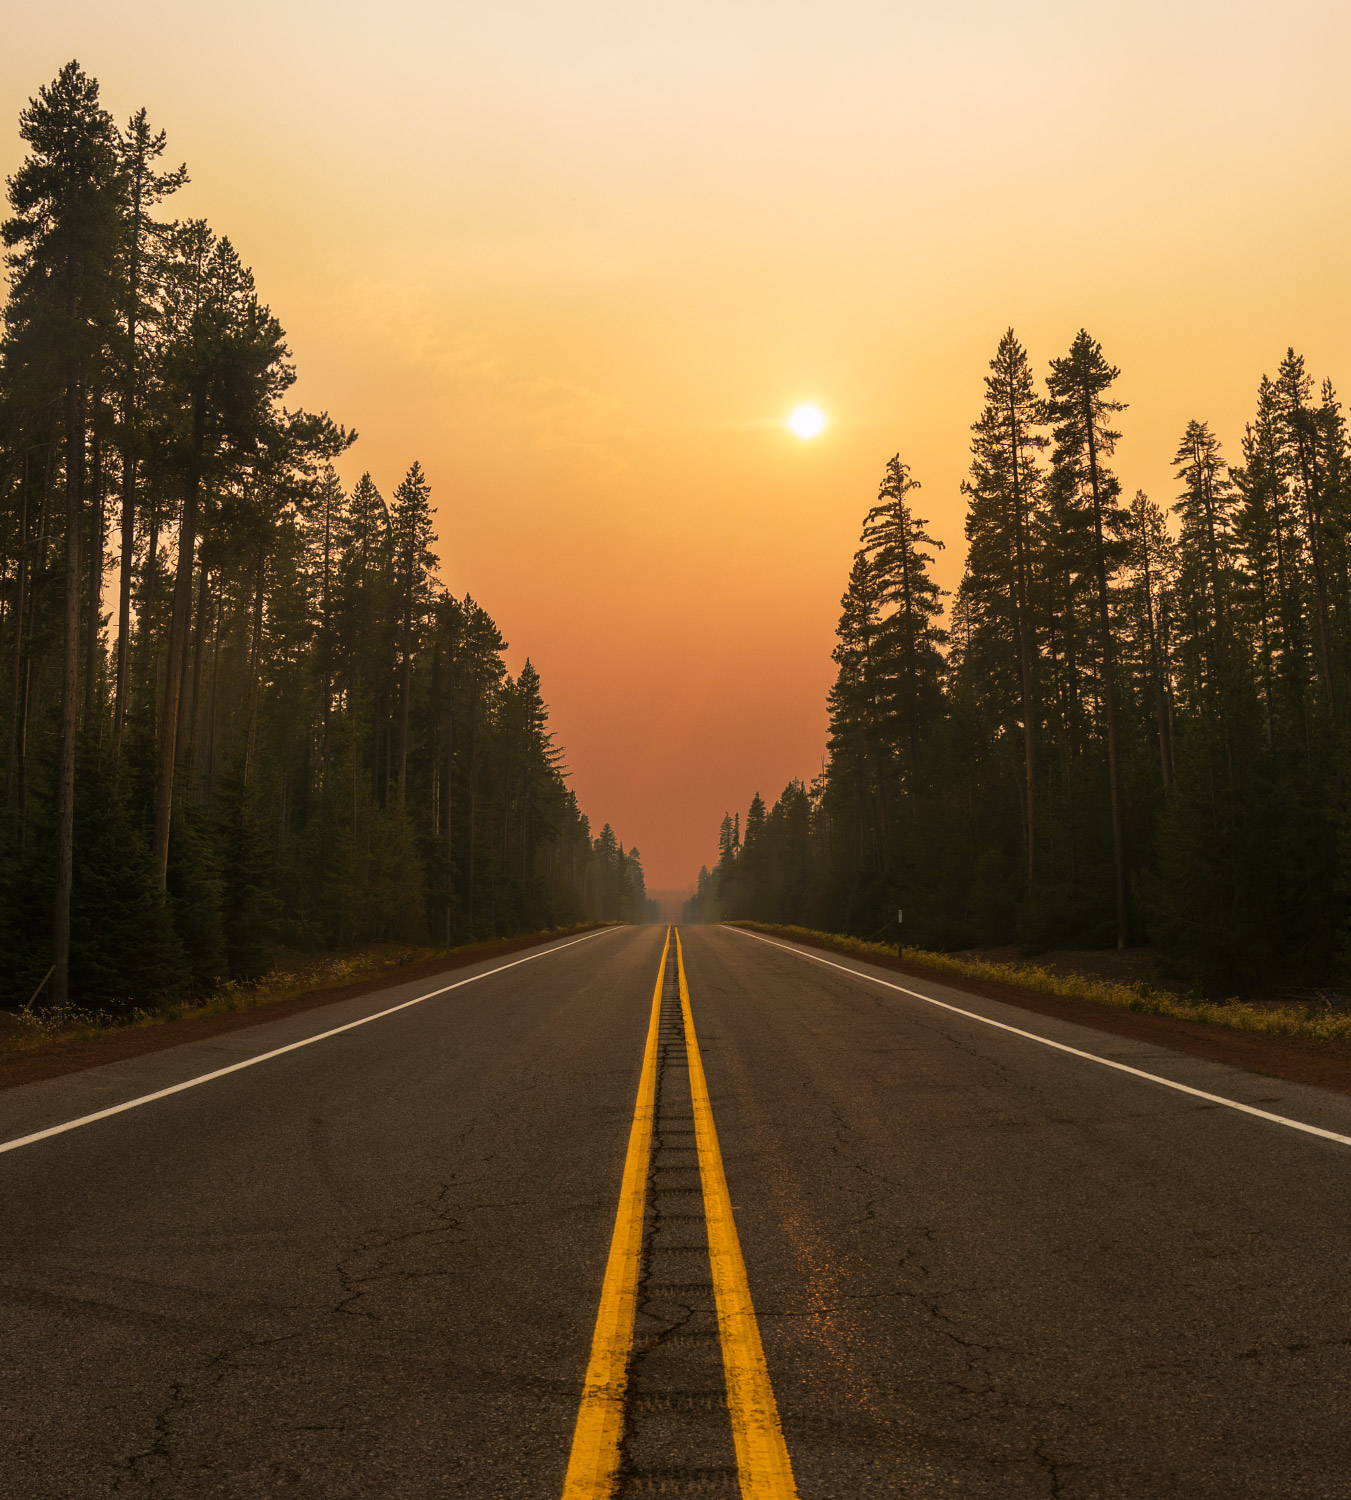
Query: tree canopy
(239,709)
(1134,729)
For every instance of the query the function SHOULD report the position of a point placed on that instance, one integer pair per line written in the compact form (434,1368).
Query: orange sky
(581,259)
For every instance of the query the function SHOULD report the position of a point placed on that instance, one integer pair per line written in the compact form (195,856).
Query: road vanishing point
(649,1212)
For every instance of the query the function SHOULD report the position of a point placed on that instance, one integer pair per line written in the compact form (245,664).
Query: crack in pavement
(676,1436)
(181,1393)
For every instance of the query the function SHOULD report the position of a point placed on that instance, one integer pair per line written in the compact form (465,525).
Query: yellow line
(600,1420)
(761,1453)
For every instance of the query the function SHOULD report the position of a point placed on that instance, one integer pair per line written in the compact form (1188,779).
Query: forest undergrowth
(293,974)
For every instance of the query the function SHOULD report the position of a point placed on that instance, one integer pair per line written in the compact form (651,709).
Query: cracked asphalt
(677,1436)
(986,1270)
(371,1267)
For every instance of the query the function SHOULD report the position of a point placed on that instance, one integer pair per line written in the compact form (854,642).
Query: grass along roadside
(1310,1023)
(32,1030)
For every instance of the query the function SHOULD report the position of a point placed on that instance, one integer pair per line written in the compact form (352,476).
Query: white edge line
(248,1062)
(1031,1036)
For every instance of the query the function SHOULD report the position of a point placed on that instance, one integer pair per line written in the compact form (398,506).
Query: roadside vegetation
(34,1027)
(238,709)
(1318,1022)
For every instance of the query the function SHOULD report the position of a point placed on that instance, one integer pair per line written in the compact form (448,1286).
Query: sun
(806,421)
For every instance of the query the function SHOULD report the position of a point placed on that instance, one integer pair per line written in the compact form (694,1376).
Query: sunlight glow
(806,421)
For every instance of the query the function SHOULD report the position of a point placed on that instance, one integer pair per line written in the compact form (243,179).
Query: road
(376,1265)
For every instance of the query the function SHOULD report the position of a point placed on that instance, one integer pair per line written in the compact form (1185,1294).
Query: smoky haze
(582,261)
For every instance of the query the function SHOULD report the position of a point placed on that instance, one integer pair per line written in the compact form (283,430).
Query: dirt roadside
(70,1054)
(1323,1064)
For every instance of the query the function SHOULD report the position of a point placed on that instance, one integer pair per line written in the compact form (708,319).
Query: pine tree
(1297,424)
(225,367)
(67,202)
(270,684)
(1272,582)
(609,863)
(411,539)
(756,864)
(895,540)
(1152,566)
(1206,670)
(1003,493)
(1206,507)
(145,242)
(1210,644)
(1080,409)
(856,706)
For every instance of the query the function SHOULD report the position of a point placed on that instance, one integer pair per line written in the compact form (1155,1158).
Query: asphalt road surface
(371,1266)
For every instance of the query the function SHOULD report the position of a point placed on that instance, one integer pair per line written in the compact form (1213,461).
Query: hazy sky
(580,260)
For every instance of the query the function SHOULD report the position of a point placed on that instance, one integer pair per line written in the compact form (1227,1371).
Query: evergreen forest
(237,708)
(1130,724)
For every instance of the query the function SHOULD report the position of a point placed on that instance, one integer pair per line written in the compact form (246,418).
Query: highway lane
(372,1266)
(984,1268)
(365,1268)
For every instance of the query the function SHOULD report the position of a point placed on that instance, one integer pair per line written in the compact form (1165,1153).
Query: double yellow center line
(763,1467)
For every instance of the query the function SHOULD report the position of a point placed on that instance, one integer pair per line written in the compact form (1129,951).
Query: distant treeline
(236,707)
(1134,726)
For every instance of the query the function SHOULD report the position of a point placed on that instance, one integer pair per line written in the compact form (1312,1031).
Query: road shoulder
(1324,1065)
(73,1054)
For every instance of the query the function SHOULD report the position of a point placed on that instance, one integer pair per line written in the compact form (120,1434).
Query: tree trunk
(1108,690)
(20,604)
(912,728)
(450,824)
(179,623)
(209,769)
(1313,526)
(473,803)
(1024,651)
(124,599)
(1264,630)
(1156,668)
(128,467)
(147,673)
(353,729)
(95,615)
(255,659)
(405,694)
(198,649)
(70,672)
(326,638)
